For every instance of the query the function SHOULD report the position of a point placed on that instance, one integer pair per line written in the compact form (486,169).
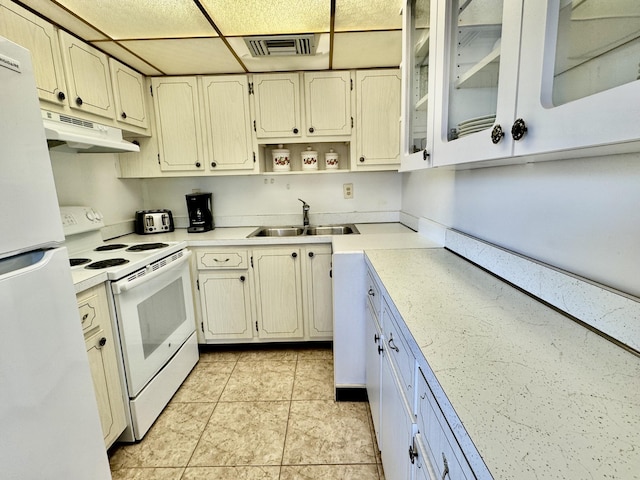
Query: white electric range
(152,305)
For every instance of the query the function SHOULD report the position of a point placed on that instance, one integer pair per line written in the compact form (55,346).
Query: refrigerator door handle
(22,263)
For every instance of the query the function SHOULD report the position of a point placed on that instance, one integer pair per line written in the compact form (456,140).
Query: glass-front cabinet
(417,110)
(535,79)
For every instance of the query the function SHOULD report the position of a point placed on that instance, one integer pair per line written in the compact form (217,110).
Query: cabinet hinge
(159,159)
(351,80)
(257,326)
(198,284)
(254,157)
(251,261)
(254,126)
(202,326)
(351,122)
(151,90)
(250,88)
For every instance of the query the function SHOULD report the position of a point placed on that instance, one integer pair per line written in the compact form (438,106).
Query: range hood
(70,134)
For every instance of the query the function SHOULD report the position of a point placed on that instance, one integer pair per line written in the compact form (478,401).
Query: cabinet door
(397,427)
(41,39)
(177,112)
(377,118)
(373,360)
(226,305)
(319,286)
(103,362)
(418,48)
(578,82)
(228,122)
(278,289)
(277,104)
(327,98)
(130,95)
(477,70)
(88,80)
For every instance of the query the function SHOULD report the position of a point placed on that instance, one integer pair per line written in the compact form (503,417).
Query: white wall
(255,200)
(579,215)
(91,179)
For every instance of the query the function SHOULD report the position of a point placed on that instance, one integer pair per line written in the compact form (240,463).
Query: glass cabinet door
(417,43)
(579,76)
(478,48)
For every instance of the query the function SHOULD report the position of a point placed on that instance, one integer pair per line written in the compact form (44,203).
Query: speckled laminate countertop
(539,395)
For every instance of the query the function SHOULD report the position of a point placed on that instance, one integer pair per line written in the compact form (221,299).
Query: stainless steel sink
(332,230)
(298,231)
(278,232)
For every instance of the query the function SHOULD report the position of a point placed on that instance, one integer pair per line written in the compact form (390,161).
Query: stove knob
(90,215)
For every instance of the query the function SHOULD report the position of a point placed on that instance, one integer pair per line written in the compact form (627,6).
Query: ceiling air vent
(282,45)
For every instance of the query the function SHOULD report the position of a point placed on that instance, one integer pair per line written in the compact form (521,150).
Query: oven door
(155,317)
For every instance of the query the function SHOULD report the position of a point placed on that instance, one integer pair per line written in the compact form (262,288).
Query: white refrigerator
(49,423)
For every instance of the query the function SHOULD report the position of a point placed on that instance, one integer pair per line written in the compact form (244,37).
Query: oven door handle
(122,286)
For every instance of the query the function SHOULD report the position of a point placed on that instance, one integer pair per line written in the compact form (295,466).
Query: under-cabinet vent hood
(304,44)
(66,133)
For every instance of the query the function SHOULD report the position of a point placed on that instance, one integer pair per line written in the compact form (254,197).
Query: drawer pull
(221,261)
(371,293)
(445,470)
(84,317)
(392,344)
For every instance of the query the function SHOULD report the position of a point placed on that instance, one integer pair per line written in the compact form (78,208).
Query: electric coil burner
(141,247)
(110,246)
(109,262)
(74,262)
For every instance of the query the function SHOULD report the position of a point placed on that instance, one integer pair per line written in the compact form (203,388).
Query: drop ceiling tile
(367,49)
(283,63)
(122,54)
(61,17)
(269,17)
(129,19)
(368,15)
(189,56)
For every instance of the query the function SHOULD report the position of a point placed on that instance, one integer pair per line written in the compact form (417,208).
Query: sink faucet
(305,212)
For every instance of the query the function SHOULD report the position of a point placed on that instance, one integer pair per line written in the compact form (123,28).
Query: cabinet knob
(295,130)
(78,101)
(198,164)
(311,254)
(519,129)
(311,129)
(242,278)
(102,342)
(214,164)
(294,255)
(496,134)
(123,115)
(361,159)
(61,96)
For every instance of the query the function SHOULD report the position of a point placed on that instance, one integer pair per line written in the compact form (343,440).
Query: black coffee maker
(200,216)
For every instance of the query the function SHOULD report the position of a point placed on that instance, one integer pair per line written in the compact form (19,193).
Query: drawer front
(88,314)
(438,439)
(374,297)
(222,260)
(399,353)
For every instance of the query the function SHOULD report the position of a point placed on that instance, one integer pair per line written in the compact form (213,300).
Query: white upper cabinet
(535,79)
(88,79)
(418,48)
(177,112)
(130,95)
(228,122)
(327,98)
(277,104)
(41,39)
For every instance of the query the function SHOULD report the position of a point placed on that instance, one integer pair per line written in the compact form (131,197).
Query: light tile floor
(256,415)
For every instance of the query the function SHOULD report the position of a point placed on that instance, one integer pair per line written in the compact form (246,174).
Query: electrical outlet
(347,189)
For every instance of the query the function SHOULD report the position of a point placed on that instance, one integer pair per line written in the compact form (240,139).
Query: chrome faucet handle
(304,204)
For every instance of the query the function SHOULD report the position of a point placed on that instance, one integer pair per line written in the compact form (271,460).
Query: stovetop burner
(74,262)
(109,246)
(146,246)
(110,262)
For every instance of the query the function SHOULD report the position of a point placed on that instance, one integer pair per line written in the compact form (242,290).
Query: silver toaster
(153,221)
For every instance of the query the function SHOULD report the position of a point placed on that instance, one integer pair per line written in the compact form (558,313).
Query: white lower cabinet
(276,293)
(103,362)
(414,437)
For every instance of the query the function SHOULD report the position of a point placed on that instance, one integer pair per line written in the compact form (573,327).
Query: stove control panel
(80,219)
